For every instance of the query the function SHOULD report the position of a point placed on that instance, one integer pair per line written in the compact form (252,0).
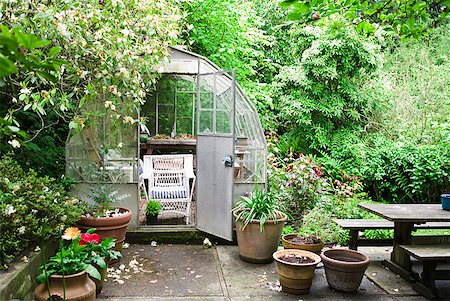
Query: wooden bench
(357,225)
(430,256)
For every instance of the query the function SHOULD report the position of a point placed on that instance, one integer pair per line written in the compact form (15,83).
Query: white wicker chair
(168,182)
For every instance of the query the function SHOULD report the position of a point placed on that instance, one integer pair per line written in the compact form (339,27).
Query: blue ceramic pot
(445,200)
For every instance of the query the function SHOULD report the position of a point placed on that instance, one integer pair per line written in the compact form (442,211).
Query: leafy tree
(318,97)
(407,18)
(26,62)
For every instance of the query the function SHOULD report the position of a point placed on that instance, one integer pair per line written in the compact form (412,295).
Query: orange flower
(71,233)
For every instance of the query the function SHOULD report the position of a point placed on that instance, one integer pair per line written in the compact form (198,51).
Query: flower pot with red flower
(102,252)
(108,221)
(65,275)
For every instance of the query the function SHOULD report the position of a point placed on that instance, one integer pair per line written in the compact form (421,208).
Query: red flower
(87,238)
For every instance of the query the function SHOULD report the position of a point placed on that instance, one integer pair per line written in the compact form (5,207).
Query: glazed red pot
(114,227)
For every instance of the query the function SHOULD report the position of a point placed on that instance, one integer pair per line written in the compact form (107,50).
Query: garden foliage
(65,56)
(32,208)
(408,18)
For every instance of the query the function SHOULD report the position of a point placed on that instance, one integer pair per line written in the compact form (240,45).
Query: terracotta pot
(296,278)
(344,268)
(256,246)
(99,283)
(78,287)
(115,227)
(316,248)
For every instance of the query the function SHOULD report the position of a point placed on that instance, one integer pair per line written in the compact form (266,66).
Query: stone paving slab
(190,272)
(166,271)
(262,279)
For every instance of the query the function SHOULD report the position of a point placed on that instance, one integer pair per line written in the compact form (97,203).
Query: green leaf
(410,23)
(93,272)
(301,7)
(73,125)
(47,76)
(6,66)
(54,51)
(100,261)
(294,16)
(13,129)
(44,276)
(286,3)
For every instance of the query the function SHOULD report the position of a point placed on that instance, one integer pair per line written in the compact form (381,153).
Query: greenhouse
(207,133)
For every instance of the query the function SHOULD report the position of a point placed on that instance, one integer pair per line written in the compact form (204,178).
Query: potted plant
(102,252)
(344,268)
(445,201)
(310,243)
(296,270)
(151,211)
(109,221)
(65,275)
(259,224)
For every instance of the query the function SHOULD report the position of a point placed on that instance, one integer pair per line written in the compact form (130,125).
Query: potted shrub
(308,243)
(344,268)
(151,211)
(259,224)
(108,221)
(65,275)
(296,270)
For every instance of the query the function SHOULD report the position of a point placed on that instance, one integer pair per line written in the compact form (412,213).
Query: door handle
(228,161)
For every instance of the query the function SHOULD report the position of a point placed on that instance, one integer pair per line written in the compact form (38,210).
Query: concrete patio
(192,272)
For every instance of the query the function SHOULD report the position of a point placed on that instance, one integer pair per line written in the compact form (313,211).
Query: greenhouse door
(215,149)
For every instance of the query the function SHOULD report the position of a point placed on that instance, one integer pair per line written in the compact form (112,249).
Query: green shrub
(31,208)
(153,208)
(319,220)
(297,182)
(398,172)
(318,95)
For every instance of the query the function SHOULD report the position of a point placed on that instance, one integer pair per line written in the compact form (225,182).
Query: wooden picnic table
(404,217)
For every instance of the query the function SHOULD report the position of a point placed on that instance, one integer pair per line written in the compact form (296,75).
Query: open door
(215,152)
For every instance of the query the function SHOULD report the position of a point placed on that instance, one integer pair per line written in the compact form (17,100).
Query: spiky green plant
(261,206)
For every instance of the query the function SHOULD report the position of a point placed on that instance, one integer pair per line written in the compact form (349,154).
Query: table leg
(402,236)
(400,262)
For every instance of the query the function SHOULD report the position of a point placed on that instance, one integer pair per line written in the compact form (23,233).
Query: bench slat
(362,224)
(428,252)
(369,224)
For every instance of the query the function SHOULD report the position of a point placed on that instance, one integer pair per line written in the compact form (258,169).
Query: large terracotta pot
(296,278)
(256,246)
(344,268)
(79,287)
(316,248)
(115,227)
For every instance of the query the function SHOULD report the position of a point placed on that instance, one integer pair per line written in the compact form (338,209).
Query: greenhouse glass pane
(184,125)
(223,122)
(166,98)
(165,123)
(185,104)
(185,86)
(207,100)
(166,84)
(206,122)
